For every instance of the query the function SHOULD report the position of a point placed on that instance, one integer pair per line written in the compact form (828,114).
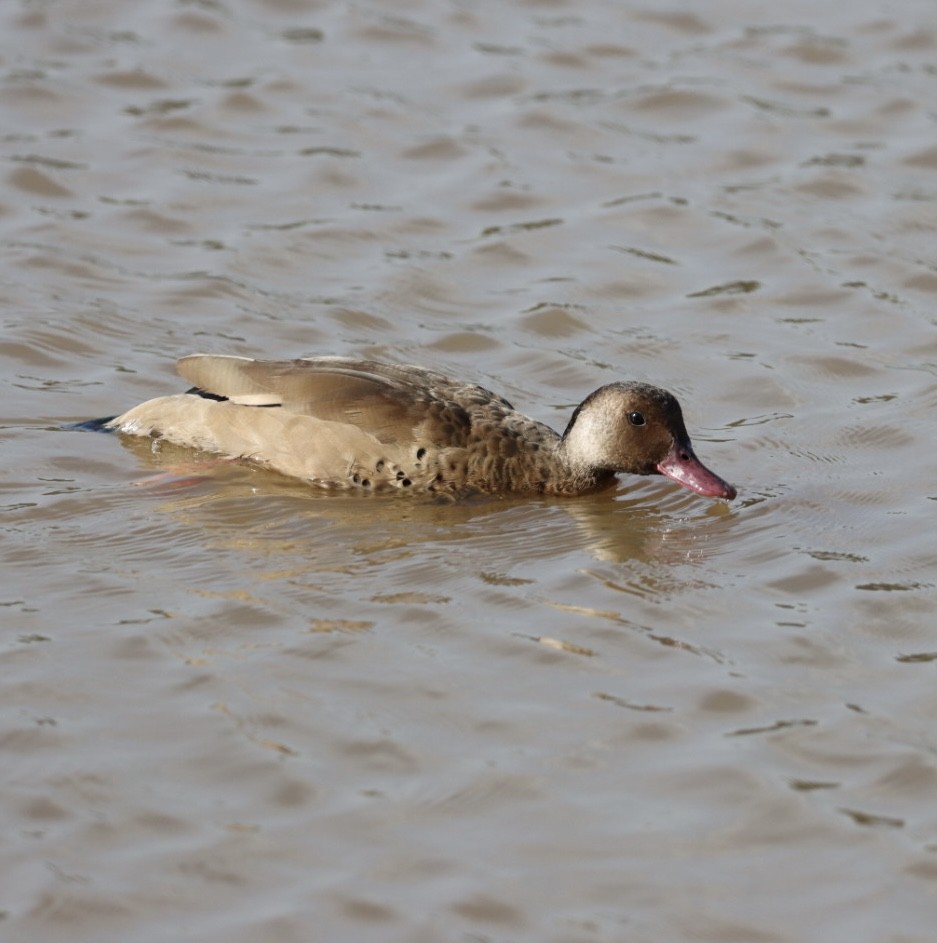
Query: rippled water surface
(235,710)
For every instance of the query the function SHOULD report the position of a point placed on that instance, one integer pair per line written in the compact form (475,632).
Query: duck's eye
(636,419)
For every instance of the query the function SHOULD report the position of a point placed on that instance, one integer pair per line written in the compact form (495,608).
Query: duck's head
(639,429)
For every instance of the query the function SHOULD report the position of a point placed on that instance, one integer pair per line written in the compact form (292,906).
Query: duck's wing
(392,402)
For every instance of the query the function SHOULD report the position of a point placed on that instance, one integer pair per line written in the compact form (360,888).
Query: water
(238,710)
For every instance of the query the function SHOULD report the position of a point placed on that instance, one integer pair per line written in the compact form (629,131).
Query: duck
(367,426)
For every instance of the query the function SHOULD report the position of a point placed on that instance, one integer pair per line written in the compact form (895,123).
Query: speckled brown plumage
(342,423)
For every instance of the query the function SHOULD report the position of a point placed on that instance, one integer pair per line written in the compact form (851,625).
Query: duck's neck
(542,461)
(571,474)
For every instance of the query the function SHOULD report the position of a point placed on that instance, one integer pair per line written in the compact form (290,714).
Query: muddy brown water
(235,710)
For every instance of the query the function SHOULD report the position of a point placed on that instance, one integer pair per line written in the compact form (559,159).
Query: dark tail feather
(90,425)
(206,395)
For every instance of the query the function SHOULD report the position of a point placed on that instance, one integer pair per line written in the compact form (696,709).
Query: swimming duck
(337,422)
